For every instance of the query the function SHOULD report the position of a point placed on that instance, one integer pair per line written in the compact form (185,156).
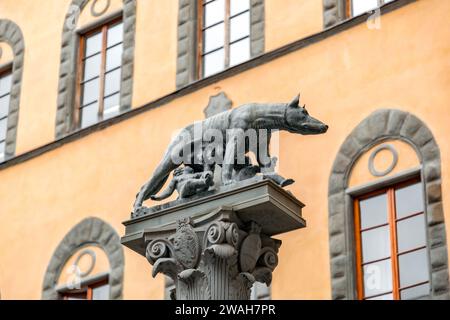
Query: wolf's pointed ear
(294,103)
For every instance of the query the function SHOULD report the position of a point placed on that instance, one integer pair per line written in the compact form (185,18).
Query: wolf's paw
(287,182)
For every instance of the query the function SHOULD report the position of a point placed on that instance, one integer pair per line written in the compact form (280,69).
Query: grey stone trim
(217,104)
(188,33)
(91,231)
(380,126)
(11,34)
(187,43)
(68,64)
(333,12)
(257,27)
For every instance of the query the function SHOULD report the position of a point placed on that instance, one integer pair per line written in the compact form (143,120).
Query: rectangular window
(390,235)
(224,33)
(5,96)
(96,291)
(357,7)
(99,79)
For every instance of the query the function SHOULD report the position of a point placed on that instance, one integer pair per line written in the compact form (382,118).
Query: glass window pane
(415,292)
(90,91)
(237,6)
(94,44)
(376,244)
(213,62)
(361,6)
(112,82)
(4,106)
(214,38)
(411,233)
(5,84)
(377,278)
(409,200)
(115,35)
(388,296)
(413,268)
(114,57)
(101,293)
(240,27)
(2,151)
(89,115)
(373,211)
(92,67)
(111,106)
(214,12)
(239,52)
(3,127)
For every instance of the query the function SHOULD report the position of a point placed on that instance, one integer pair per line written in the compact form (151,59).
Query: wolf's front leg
(229,158)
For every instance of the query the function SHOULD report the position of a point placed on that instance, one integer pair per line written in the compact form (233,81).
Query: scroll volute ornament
(250,250)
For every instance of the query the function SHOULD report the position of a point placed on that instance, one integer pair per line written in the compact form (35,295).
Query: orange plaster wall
(290,20)
(342,79)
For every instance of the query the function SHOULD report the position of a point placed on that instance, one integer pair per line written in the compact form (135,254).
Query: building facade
(91,92)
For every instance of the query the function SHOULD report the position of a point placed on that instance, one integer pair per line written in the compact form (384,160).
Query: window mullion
(79,90)
(102,73)
(227,33)
(358,258)
(394,247)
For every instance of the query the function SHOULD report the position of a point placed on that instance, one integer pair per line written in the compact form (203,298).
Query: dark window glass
(101,82)
(225,35)
(416,292)
(391,243)
(93,44)
(374,211)
(5,84)
(376,244)
(413,268)
(4,106)
(411,233)
(377,278)
(5,98)
(409,200)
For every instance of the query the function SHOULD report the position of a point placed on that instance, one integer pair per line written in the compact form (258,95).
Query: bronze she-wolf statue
(231,124)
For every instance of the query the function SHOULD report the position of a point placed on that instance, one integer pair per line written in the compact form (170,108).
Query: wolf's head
(299,121)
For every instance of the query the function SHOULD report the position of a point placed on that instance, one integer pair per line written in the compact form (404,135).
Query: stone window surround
(89,232)
(12,35)
(188,32)
(335,11)
(380,126)
(68,65)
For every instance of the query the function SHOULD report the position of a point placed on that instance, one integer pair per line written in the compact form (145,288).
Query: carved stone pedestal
(215,247)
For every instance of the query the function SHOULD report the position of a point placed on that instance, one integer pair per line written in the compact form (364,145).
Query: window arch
(66,114)
(94,232)
(381,126)
(11,34)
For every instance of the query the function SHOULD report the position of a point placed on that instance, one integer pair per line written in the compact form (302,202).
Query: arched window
(96,73)
(386,222)
(87,264)
(11,69)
